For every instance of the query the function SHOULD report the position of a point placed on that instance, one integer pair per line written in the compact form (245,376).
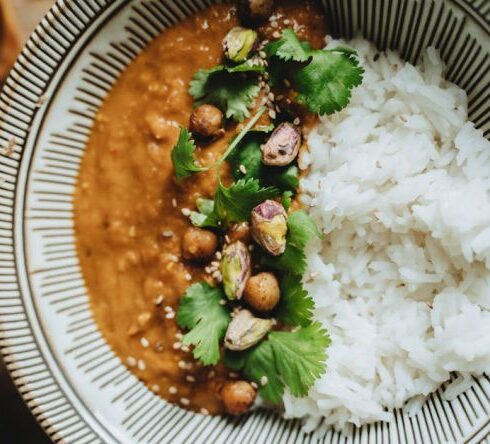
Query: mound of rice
(399,181)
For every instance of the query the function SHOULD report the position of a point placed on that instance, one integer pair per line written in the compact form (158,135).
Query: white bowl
(75,385)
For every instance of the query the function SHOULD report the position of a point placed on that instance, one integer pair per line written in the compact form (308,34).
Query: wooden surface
(17,425)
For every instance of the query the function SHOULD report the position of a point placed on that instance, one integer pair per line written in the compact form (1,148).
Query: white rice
(399,182)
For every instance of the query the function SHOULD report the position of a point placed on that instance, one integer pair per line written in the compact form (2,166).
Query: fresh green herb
(286,199)
(232,89)
(325,83)
(205,216)
(296,306)
(235,203)
(201,312)
(294,359)
(183,157)
(301,229)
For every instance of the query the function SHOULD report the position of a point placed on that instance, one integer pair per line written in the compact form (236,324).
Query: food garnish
(198,244)
(200,311)
(283,145)
(245,330)
(207,121)
(269,226)
(239,43)
(252,11)
(286,349)
(235,267)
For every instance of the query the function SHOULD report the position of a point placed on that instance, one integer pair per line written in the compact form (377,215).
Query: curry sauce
(130,215)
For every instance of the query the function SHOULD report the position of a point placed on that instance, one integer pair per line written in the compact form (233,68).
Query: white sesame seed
(264,380)
(167,233)
(155,388)
(186,211)
(211,374)
(287,22)
(233,375)
(177,345)
(141,365)
(217,275)
(168,309)
(172,390)
(222,302)
(170,315)
(254,385)
(272,114)
(218,255)
(144,342)
(184,401)
(243,170)
(297,121)
(182,365)
(262,54)
(186,349)
(174,202)
(179,335)
(190,378)
(271,96)
(132,362)
(276,34)
(314,274)
(274,24)
(215,264)
(159,300)
(227,239)
(251,248)
(204,411)
(188,277)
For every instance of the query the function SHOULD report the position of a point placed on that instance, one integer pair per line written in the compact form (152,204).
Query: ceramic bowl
(77,388)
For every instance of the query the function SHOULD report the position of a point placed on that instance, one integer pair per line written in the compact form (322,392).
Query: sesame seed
(217,275)
(233,375)
(227,239)
(184,401)
(174,202)
(264,380)
(297,121)
(243,170)
(262,54)
(159,300)
(186,349)
(182,365)
(267,89)
(188,277)
(251,248)
(276,34)
(314,274)
(179,335)
(272,114)
(222,302)
(215,264)
(155,388)
(287,83)
(144,342)
(172,390)
(190,378)
(177,345)
(218,255)
(204,411)
(170,315)
(274,24)
(132,362)
(167,233)
(168,309)
(141,365)
(279,97)
(188,366)
(186,211)
(287,22)
(211,374)
(254,385)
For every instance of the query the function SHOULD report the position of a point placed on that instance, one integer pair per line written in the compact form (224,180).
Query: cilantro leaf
(296,306)
(294,359)
(323,79)
(301,229)
(326,83)
(286,199)
(236,202)
(232,89)
(289,47)
(183,157)
(200,311)
(300,356)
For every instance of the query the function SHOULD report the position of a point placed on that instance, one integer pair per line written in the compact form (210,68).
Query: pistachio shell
(282,147)
(269,226)
(235,269)
(239,43)
(245,330)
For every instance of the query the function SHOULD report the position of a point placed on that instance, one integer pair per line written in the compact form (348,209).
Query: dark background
(17,19)
(17,425)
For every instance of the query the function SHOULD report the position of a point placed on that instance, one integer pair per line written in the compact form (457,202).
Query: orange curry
(130,214)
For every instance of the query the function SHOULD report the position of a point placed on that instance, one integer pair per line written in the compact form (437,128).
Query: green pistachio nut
(269,226)
(235,269)
(239,43)
(245,330)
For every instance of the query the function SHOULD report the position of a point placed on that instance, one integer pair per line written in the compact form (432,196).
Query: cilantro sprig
(294,359)
(207,320)
(323,79)
(230,88)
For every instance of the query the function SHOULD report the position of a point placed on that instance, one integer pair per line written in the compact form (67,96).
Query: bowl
(77,388)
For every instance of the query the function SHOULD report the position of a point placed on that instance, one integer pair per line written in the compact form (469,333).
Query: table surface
(17,425)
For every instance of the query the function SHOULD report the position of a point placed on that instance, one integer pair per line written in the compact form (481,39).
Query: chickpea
(262,292)
(237,396)
(198,244)
(207,121)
